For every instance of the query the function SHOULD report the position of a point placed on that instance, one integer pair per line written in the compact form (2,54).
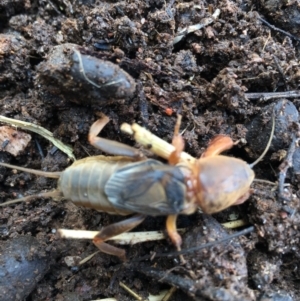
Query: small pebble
(259,129)
(23,263)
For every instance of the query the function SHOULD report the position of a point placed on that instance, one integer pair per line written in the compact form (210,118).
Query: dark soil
(139,74)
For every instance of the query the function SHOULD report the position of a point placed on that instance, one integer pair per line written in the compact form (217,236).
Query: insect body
(130,183)
(121,185)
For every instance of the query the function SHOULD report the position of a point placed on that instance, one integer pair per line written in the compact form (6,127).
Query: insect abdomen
(83,182)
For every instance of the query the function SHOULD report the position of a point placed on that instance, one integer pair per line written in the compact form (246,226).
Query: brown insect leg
(217,145)
(109,146)
(177,142)
(113,230)
(172,231)
(111,250)
(174,235)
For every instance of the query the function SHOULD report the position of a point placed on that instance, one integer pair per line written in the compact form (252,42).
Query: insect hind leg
(114,230)
(110,146)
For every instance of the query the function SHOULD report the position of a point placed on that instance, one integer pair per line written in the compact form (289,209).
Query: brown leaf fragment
(13,141)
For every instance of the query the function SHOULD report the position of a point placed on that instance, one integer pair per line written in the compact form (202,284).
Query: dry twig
(278,29)
(265,96)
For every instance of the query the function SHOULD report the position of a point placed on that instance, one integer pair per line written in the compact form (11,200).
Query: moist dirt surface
(225,66)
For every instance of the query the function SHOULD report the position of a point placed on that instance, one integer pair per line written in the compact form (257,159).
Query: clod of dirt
(259,129)
(284,14)
(186,63)
(14,62)
(68,296)
(275,223)
(198,291)
(225,263)
(263,269)
(22,264)
(83,78)
(217,274)
(9,8)
(275,296)
(72,261)
(12,141)
(295,168)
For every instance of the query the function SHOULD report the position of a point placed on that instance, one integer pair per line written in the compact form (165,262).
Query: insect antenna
(52,194)
(268,145)
(46,174)
(49,194)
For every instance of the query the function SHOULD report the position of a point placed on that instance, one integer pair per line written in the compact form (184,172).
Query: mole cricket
(129,183)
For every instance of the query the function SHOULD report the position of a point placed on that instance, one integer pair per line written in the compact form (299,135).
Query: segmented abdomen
(83,182)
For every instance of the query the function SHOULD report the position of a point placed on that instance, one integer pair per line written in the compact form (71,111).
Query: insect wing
(147,187)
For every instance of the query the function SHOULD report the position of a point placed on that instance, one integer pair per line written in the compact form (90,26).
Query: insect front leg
(110,146)
(114,230)
(217,145)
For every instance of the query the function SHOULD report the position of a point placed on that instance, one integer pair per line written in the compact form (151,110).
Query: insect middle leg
(177,142)
(216,146)
(114,230)
(110,146)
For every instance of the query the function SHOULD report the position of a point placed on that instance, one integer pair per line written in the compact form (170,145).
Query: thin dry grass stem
(86,259)
(122,239)
(41,131)
(235,224)
(169,294)
(131,292)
